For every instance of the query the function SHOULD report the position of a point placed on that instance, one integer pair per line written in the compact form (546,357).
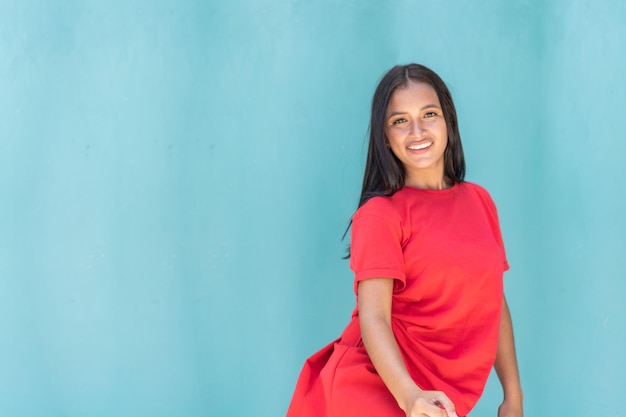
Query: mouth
(420,146)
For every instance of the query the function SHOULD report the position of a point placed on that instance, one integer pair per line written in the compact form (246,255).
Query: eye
(398,121)
(431,114)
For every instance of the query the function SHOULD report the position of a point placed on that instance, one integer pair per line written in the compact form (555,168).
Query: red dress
(444,250)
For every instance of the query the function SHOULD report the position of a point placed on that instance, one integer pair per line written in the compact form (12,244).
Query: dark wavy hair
(384,173)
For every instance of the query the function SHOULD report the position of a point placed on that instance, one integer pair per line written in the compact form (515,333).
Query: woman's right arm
(374,299)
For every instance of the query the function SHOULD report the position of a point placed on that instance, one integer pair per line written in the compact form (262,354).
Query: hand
(510,409)
(430,404)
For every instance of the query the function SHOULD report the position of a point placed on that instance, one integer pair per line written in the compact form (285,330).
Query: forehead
(413,94)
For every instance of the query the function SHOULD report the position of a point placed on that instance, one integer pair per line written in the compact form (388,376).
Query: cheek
(444,131)
(394,136)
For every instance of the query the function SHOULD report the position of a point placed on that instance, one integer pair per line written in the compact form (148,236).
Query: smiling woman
(428,260)
(417,135)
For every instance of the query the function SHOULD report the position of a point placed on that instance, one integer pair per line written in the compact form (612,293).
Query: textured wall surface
(176,177)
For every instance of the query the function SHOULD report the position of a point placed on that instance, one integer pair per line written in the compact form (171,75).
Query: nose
(417,129)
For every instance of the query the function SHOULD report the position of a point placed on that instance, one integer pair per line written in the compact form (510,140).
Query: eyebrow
(428,106)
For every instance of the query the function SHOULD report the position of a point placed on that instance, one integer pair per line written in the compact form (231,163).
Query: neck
(439,182)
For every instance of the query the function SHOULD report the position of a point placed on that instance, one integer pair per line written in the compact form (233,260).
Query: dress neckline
(434,192)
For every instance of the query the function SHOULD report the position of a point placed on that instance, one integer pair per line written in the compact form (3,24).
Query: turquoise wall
(176,177)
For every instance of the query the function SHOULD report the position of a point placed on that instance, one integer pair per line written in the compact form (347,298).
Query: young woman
(426,250)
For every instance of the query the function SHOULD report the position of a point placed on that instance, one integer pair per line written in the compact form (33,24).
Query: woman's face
(417,133)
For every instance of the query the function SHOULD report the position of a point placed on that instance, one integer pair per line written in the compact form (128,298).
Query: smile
(420,146)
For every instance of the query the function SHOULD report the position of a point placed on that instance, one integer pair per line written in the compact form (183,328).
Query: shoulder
(477,190)
(472,186)
(387,207)
(480,195)
(378,220)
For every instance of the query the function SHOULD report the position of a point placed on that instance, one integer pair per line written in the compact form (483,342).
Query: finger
(432,410)
(447,405)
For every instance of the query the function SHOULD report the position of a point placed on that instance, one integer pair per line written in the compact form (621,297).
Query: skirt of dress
(341,381)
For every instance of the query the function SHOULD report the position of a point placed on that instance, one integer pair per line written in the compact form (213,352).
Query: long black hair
(384,173)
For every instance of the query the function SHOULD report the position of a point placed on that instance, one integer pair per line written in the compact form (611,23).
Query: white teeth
(422,146)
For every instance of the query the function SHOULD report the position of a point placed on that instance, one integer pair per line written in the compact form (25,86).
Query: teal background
(176,177)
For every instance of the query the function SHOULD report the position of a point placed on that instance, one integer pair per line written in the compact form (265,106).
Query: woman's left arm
(506,368)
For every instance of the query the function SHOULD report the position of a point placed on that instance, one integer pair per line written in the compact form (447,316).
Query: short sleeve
(494,223)
(376,243)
